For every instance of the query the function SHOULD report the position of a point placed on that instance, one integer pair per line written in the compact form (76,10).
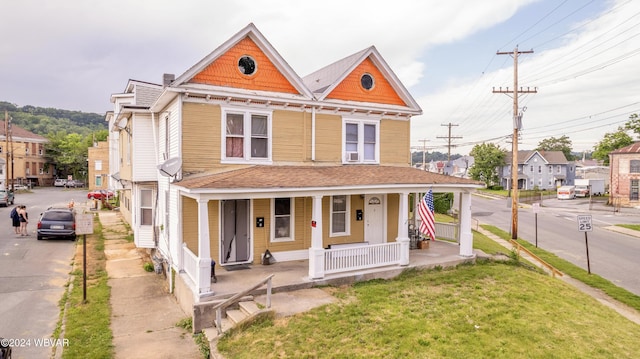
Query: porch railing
(190,263)
(447,231)
(361,257)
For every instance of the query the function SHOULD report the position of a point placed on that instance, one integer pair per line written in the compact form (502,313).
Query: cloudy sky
(74,54)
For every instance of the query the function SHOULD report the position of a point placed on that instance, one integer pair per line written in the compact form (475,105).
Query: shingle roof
(319,80)
(633,148)
(19,132)
(274,177)
(552,157)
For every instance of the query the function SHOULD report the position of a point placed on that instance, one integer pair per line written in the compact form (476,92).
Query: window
(633,193)
(634,166)
(339,215)
(0,149)
(531,168)
(98,165)
(247,65)
(283,219)
(98,181)
(146,209)
(550,169)
(558,169)
(247,136)
(41,170)
(361,141)
(539,169)
(367,82)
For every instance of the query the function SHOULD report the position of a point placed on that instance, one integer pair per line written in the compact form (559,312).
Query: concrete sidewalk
(143,313)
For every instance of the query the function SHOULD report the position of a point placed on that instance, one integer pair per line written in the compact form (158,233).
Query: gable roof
(551,157)
(326,80)
(633,148)
(250,32)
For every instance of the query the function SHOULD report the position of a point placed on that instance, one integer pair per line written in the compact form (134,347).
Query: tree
(633,124)
(487,158)
(611,142)
(562,144)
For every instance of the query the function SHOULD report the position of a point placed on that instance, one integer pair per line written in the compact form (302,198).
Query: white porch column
(204,248)
(466,236)
(316,252)
(403,228)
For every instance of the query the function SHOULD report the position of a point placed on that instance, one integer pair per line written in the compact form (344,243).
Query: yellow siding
(291,136)
(214,229)
(393,202)
(395,142)
(262,236)
(125,148)
(328,138)
(200,136)
(357,227)
(190,223)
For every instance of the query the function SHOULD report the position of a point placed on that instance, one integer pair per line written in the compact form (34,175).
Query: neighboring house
(3,171)
(98,163)
(539,169)
(29,163)
(132,161)
(257,158)
(624,164)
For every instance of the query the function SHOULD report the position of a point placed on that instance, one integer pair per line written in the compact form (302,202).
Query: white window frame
(291,215)
(360,123)
(347,219)
(149,207)
(246,135)
(98,165)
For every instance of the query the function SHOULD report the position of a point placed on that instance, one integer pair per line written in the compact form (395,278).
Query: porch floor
(294,275)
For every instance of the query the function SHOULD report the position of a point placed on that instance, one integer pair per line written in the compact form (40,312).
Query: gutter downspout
(313,133)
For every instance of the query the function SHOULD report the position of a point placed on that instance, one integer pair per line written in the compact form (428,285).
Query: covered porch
(293,275)
(377,211)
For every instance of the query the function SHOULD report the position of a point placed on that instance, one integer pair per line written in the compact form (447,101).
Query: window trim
(634,166)
(292,225)
(347,218)
(246,136)
(141,207)
(360,123)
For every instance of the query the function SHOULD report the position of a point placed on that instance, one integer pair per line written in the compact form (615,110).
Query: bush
(442,202)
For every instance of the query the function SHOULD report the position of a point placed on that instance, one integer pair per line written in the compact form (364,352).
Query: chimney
(167,79)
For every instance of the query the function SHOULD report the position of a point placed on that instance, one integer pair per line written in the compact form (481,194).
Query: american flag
(428,225)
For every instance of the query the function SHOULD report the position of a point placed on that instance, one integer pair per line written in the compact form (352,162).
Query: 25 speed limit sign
(584,223)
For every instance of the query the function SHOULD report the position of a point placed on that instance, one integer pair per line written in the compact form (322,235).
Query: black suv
(57,223)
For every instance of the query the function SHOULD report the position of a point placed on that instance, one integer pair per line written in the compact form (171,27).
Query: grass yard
(487,310)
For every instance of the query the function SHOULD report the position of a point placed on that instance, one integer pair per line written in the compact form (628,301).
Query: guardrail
(223,305)
(361,257)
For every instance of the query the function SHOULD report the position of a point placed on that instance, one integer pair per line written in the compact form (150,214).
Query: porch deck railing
(361,257)
(447,231)
(190,263)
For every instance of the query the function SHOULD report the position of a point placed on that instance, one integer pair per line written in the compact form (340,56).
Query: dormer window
(247,65)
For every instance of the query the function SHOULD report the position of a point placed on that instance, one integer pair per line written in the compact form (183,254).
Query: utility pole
(6,148)
(424,151)
(449,139)
(517,124)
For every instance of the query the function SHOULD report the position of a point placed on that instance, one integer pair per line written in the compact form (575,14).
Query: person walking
(24,220)
(15,219)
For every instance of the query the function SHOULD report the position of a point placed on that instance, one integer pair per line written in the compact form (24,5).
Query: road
(33,274)
(612,255)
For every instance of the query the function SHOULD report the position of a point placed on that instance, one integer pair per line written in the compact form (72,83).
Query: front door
(235,245)
(374,219)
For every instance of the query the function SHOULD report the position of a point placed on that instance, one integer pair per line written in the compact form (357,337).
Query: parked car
(57,223)
(60,182)
(20,187)
(6,197)
(74,184)
(100,194)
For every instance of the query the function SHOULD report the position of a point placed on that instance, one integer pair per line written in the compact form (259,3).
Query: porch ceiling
(271,178)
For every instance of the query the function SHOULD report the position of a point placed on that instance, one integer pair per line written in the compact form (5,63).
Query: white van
(567,192)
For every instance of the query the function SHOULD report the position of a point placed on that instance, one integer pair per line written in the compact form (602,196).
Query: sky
(74,54)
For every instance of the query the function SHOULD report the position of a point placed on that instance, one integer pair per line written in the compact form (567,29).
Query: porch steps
(244,311)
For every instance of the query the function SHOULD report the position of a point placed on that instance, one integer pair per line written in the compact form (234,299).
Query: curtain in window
(283,217)
(259,136)
(235,135)
(369,142)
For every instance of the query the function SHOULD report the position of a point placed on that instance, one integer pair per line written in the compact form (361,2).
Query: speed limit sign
(584,223)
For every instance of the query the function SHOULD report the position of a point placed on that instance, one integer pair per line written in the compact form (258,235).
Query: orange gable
(350,88)
(224,71)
